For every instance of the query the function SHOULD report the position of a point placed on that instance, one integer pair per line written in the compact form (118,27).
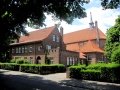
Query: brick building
(44,43)
(88,42)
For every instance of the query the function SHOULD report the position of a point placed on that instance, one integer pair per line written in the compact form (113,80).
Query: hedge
(75,71)
(90,75)
(9,66)
(110,73)
(103,72)
(34,68)
(42,69)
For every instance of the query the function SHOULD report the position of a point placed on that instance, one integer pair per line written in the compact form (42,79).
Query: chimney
(97,33)
(61,31)
(96,24)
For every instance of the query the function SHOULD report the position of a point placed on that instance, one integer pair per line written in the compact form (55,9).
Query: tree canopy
(14,14)
(113,4)
(113,39)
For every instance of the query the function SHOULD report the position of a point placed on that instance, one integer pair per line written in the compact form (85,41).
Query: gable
(37,35)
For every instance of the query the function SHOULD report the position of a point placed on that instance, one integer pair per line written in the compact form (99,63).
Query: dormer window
(53,37)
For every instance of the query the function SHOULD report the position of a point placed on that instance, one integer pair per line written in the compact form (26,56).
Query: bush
(20,61)
(42,69)
(115,57)
(100,72)
(97,66)
(9,66)
(110,73)
(75,71)
(90,75)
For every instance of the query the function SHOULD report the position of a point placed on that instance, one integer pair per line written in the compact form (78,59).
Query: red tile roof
(83,35)
(37,35)
(90,47)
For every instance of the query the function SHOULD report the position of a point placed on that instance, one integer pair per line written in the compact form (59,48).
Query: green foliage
(20,61)
(113,39)
(113,4)
(95,66)
(115,57)
(15,14)
(42,69)
(90,74)
(100,72)
(75,71)
(9,66)
(110,73)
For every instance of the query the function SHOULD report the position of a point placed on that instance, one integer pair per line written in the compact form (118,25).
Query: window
(23,49)
(58,39)
(71,61)
(48,47)
(68,61)
(54,37)
(13,50)
(16,50)
(30,49)
(51,61)
(19,50)
(39,48)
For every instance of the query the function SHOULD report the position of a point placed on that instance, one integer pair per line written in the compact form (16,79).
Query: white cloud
(105,18)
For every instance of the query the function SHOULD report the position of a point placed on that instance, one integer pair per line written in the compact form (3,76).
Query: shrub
(20,61)
(115,57)
(90,74)
(75,71)
(97,66)
(9,66)
(42,69)
(110,73)
(100,72)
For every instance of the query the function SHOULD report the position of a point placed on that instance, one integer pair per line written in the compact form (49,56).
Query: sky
(105,18)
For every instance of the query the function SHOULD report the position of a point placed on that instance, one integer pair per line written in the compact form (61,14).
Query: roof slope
(36,35)
(90,47)
(83,35)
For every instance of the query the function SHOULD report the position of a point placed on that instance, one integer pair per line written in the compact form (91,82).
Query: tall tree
(113,4)
(14,14)
(113,39)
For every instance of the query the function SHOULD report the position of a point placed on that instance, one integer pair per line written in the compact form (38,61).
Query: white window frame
(17,50)
(48,47)
(71,61)
(68,61)
(30,49)
(58,39)
(54,38)
(25,49)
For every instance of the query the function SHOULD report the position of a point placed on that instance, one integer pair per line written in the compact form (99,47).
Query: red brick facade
(41,43)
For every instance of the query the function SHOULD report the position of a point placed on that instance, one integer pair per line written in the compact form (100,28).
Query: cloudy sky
(105,18)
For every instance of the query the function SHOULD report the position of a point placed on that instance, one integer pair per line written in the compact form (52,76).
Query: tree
(113,4)
(14,14)
(113,39)
(115,57)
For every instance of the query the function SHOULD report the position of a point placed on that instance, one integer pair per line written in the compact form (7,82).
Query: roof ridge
(35,30)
